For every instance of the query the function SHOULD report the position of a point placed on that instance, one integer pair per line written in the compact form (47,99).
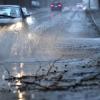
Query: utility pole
(89,4)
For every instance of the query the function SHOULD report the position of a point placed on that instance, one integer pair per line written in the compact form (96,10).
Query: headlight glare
(16,26)
(29,20)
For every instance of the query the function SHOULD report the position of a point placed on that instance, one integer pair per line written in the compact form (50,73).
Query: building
(92,4)
(26,3)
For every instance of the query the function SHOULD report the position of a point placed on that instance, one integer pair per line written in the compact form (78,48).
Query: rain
(55,56)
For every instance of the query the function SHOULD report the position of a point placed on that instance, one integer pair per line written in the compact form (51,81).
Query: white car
(35,3)
(14,17)
(80,6)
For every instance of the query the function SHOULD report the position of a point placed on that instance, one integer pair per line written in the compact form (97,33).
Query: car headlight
(29,20)
(16,26)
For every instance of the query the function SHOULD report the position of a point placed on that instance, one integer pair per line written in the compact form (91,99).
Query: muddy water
(81,81)
(81,94)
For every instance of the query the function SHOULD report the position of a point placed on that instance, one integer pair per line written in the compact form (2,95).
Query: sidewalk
(96,16)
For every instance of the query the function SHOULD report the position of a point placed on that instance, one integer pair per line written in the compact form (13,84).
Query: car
(81,6)
(14,17)
(35,4)
(56,6)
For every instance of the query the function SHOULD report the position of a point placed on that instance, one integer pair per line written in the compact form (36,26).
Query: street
(68,37)
(54,33)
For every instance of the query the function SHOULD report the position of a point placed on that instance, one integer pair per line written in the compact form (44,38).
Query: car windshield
(10,11)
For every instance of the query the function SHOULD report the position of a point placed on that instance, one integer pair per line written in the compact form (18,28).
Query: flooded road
(62,48)
(69,95)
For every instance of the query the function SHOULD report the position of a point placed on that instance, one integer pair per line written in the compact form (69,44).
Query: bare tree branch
(53,64)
